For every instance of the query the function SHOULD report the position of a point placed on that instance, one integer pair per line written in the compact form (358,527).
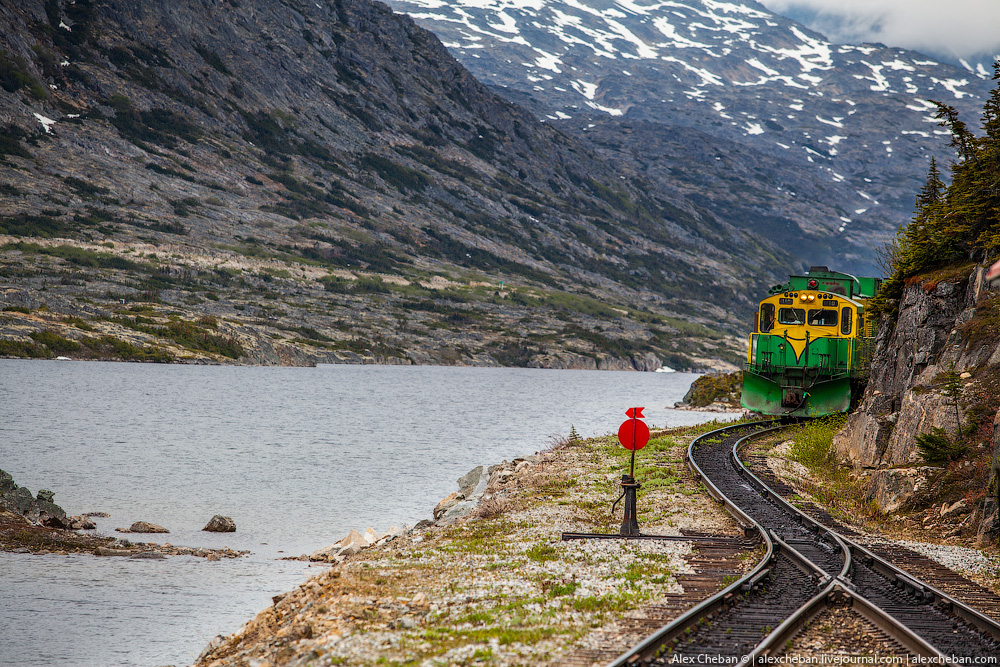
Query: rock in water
(220,524)
(40,509)
(143,527)
(80,523)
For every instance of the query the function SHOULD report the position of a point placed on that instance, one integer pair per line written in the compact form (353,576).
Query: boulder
(391,534)
(446,504)
(220,524)
(143,527)
(959,507)
(326,554)
(39,509)
(458,511)
(353,537)
(105,551)
(348,546)
(81,523)
(474,481)
(349,549)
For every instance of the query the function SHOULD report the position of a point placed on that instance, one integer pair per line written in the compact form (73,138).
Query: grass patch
(812,446)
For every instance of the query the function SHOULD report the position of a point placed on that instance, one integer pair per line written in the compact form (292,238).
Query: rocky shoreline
(36,525)
(488,578)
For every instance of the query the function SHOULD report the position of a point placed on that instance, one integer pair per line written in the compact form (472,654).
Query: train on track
(811,345)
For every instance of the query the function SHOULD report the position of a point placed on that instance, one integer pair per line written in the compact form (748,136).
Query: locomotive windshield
(791,316)
(822,318)
(766,317)
(845,322)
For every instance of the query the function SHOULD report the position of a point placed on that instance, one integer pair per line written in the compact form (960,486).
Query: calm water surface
(296,456)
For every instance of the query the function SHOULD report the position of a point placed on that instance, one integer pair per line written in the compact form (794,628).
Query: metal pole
(631,469)
(630,522)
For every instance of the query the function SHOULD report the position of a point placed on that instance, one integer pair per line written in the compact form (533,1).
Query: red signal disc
(633,434)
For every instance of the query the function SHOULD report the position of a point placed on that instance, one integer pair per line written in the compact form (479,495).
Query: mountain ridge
(854,121)
(358,196)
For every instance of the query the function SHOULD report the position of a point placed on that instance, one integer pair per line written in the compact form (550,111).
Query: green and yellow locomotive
(810,346)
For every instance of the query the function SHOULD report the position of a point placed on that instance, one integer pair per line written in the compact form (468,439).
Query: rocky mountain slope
(761,121)
(291,182)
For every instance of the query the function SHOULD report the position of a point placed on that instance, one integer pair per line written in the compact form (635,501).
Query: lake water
(296,456)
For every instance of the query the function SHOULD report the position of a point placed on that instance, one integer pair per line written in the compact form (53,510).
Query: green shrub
(213,59)
(40,225)
(366,285)
(113,347)
(401,177)
(812,446)
(937,446)
(542,552)
(158,126)
(10,141)
(20,348)
(334,284)
(13,72)
(55,342)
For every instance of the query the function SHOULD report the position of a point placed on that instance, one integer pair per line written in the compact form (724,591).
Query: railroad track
(808,569)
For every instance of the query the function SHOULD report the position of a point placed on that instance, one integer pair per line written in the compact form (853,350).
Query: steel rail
(941,600)
(776,643)
(856,552)
(835,585)
(834,590)
(727,596)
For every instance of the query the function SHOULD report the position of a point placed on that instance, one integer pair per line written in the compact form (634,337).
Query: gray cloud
(956,28)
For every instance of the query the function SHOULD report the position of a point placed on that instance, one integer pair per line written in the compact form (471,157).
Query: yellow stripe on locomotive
(810,345)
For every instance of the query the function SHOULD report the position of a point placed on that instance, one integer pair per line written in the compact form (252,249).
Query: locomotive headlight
(812,297)
(803,297)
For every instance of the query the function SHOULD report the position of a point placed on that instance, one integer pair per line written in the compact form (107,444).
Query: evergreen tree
(961,137)
(955,221)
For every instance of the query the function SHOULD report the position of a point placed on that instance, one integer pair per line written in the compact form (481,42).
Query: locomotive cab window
(846,321)
(791,316)
(822,318)
(766,317)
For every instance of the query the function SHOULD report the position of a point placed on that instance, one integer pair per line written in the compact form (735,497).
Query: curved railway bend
(807,570)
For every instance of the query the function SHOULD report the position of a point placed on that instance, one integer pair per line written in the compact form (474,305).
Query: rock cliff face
(946,326)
